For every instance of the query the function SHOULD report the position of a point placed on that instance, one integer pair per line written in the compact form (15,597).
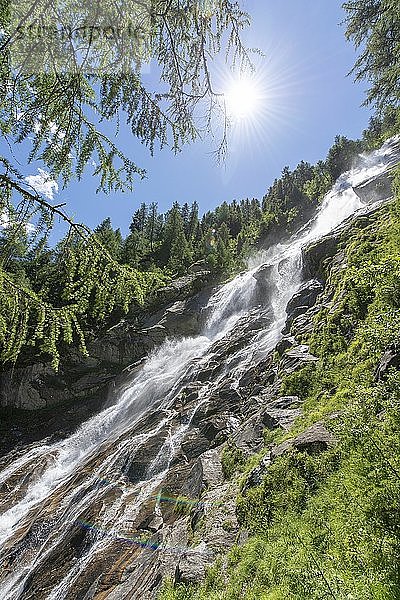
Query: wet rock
(177,320)
(250,438)
(306,296)
(37,386)
(209,370)
(318,253)
(256,378)
(224,399)
(193,484)
(212,468)
(199,267)
(137,466)
(125,344)
(217,428)
(194,444)
(294,314)
(375,189)
(282,412)
(21,388)
(296,358)
(301,302)
(264,284)
(288,341)
(303,324)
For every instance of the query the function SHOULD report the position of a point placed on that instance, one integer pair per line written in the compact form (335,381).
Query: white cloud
(43,184)
(6,221)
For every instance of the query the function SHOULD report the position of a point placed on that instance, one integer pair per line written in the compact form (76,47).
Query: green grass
(327,526)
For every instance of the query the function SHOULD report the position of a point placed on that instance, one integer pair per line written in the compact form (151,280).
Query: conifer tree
(110,239)
(374,27)
(193,220)
(181,254)
(53,96)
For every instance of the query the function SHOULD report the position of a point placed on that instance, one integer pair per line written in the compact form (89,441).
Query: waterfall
(114,464)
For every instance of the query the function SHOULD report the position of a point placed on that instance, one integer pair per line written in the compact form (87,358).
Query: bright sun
(242,99)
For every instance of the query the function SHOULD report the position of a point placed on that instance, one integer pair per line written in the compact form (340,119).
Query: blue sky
(308,101)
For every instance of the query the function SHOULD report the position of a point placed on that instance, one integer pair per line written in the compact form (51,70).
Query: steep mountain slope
(319,504)
(147,489)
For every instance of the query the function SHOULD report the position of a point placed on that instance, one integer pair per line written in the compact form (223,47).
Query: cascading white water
(104,442)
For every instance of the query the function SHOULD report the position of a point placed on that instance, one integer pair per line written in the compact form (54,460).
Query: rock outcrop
(189,519)
(37,386)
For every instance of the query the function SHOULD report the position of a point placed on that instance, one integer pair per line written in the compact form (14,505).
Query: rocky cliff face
(35,401)
(158,501)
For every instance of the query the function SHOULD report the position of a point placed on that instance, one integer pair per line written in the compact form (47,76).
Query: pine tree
(110,239)
(55,99)
(185,212)
(374,27)
(173,228)
(221,256)
(152,225)
(193,220)
(181,254)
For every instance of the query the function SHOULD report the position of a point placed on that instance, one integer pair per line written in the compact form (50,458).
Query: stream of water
(51,488)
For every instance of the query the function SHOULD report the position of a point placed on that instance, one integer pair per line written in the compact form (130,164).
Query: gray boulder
(391,359)
(306,296)
(286,342)
(192,566)
(264,284)
(375,189)
(296,358)
(282,412)
(313,440)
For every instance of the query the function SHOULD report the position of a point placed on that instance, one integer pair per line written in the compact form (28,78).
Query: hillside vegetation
(158,247)
(327,524)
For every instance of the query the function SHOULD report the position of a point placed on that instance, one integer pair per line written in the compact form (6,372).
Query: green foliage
(374,27)
(232,460)
(381,127)
(53,98)
(158,246)
(56,314)
(110,239)
(299,383)
(285,204)
(320,183)
(327,525)
(59,86)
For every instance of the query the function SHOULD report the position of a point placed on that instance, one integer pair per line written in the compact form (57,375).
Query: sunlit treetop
(374,27)
(66,66)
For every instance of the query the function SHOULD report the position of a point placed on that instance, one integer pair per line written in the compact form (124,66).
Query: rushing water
(47,492)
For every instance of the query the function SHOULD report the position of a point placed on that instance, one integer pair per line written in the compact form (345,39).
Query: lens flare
(146,543)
